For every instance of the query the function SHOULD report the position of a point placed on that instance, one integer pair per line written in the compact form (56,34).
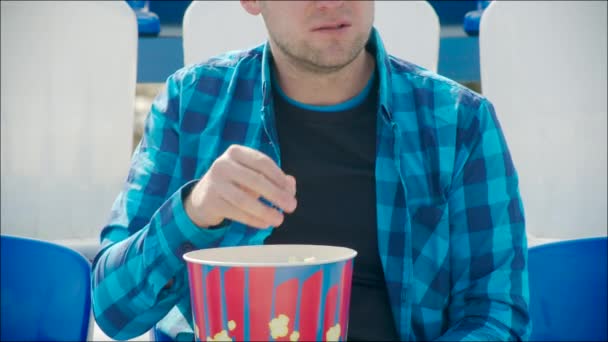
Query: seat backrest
(210,28)
(568,290)
(409,29)
(543,66)
(45,291)
(68,94)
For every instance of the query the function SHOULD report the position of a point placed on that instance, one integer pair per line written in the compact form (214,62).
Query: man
(408,168)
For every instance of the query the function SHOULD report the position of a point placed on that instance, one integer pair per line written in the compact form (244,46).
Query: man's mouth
(333,26)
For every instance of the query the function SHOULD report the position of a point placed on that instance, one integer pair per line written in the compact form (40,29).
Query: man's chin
(335,63)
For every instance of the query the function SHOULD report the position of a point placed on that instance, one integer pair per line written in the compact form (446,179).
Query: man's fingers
(237,215)
(250,205)
(292,184)
(261,163)
(261,185)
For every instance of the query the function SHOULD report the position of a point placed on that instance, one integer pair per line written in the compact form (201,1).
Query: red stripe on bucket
(347,273)
(234,282)
(214,302)
(197,298)
(285,304)
(310,306)
(329,318)
(261,281)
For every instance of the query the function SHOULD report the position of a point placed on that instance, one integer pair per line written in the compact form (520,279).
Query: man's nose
(329,4)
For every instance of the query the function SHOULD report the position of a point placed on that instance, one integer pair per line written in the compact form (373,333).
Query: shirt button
(185,248)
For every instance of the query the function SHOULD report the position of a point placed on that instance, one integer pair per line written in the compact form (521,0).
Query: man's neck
(324,89)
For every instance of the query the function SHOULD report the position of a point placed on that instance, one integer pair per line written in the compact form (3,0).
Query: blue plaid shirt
(451,229)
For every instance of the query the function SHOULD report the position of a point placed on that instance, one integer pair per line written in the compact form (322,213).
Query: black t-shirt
(331,151)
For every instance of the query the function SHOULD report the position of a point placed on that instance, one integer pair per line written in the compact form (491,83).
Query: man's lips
(332,26)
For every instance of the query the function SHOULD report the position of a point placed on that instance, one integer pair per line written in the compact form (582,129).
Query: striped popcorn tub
(270,292)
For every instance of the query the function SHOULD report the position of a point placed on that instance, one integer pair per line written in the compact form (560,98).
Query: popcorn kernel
(220,336)
(278,326)
(231,325)
(333,333)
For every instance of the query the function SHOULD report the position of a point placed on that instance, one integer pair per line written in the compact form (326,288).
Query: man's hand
(232,186)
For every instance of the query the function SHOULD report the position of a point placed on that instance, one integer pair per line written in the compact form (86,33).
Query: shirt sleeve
(490,294)
(148,231)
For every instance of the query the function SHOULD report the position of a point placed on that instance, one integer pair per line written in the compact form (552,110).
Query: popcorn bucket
(270,292)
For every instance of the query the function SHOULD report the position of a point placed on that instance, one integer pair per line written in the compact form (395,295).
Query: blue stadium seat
(45,289)
(160,336)
(568,290)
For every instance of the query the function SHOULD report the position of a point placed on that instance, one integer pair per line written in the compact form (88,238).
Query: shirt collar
(374,45)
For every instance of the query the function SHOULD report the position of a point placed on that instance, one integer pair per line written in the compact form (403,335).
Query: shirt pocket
(430,256)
